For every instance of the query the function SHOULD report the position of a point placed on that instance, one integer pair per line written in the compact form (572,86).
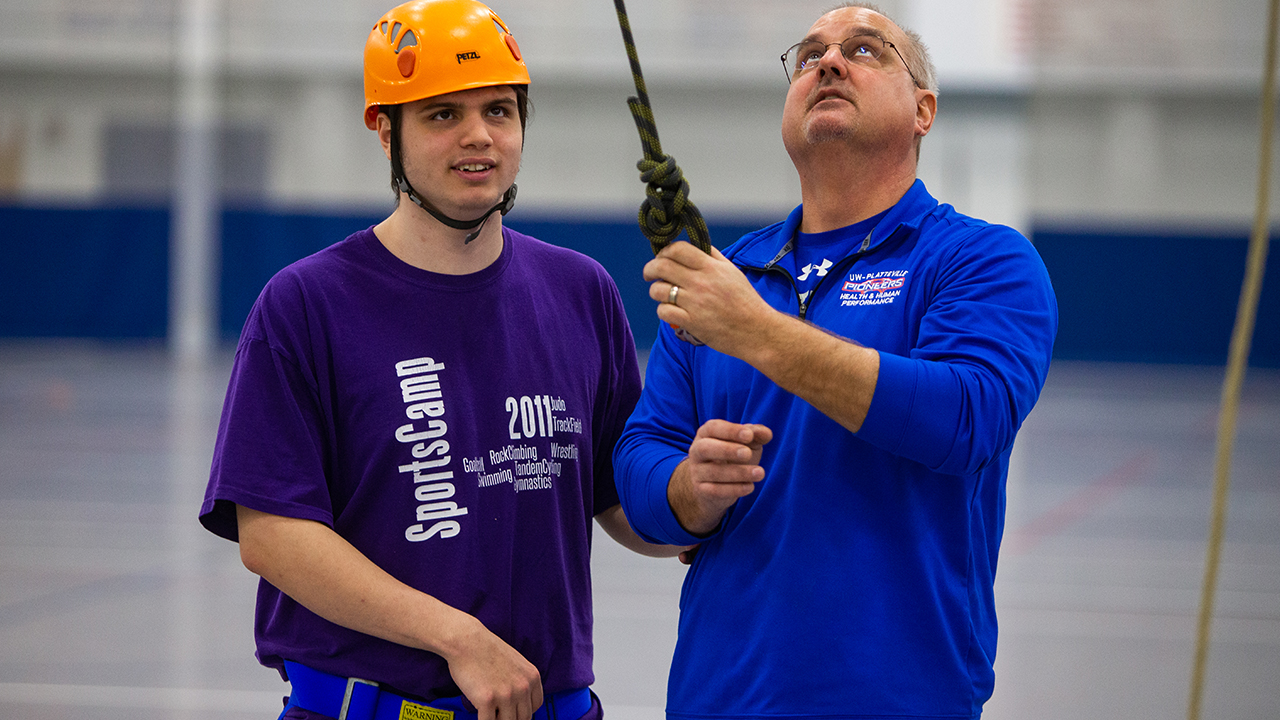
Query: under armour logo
(822,270)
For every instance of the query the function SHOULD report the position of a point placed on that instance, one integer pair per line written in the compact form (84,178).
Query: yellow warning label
(410,711)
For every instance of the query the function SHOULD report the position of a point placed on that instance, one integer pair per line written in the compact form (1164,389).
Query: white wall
(583,146)
(1173,157)
(1036,120)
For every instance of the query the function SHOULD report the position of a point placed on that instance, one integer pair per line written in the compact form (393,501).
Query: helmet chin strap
(504,205)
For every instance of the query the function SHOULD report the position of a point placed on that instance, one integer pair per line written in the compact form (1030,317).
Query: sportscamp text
(530,417)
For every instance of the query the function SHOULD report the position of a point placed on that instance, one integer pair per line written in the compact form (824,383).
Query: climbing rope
(1237,362)
(667,208)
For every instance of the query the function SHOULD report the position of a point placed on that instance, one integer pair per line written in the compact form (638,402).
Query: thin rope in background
(667,208)
(1237,362)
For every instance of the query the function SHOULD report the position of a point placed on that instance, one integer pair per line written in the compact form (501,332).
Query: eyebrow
(445,105)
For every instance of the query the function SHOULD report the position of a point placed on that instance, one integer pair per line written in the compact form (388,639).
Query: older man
(840,444)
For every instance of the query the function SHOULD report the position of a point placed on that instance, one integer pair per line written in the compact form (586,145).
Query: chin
(473,207)
(817,133)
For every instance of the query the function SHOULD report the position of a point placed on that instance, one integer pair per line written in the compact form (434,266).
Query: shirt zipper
(772,266)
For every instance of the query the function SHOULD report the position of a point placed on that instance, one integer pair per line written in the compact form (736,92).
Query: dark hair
(524,109)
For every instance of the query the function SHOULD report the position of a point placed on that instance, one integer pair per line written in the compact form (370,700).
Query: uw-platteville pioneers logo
(880,288)
(462,57)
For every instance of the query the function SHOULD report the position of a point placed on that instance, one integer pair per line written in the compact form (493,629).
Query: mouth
(473,168)
(829,94)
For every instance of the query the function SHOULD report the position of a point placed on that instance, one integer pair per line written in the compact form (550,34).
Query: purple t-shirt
(456,429)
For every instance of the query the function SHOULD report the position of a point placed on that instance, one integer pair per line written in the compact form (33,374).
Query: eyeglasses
(859,50)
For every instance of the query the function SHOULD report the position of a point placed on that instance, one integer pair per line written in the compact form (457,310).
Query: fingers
(687,254)
(713,450)
(660,291)
(676,258)
(723,466)
(524,708)
(718,492)
(760,436)
(750,434)
(729,452)
(513,703)
(686,556)
(724,459)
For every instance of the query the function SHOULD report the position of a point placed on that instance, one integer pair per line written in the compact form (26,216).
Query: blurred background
(161,159)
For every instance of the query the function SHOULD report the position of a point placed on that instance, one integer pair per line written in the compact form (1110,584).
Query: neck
(412,235)
(840,188)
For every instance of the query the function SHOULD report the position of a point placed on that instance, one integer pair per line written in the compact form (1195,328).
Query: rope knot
(666,209)
(661,172)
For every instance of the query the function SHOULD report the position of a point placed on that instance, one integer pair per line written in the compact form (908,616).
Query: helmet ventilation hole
(407,40)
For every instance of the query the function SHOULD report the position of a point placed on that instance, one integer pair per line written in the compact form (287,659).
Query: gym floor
(115,603)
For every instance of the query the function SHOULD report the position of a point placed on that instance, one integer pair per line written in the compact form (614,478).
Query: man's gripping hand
(723,465)
(716,303)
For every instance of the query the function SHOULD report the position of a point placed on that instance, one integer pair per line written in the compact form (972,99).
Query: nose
(475,133)
(832,61)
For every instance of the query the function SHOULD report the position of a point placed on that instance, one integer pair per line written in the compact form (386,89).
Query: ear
(384,133)
(926,109)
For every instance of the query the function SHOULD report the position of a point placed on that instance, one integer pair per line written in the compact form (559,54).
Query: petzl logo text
(468,56)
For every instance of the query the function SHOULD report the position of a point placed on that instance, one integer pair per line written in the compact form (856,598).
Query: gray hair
(916,54)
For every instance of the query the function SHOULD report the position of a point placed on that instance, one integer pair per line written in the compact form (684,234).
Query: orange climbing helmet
(425,48)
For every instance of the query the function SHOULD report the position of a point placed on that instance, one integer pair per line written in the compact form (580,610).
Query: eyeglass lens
(804,56)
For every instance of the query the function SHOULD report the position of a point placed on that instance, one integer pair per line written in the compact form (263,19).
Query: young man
(420,420)
(840,445)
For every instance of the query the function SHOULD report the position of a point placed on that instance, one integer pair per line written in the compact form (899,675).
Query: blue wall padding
(1162,298)
(103,273)
(84,272)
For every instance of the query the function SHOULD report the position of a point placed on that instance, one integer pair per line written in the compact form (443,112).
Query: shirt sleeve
(656,440)
(618,399)
(981,356)
(269,451)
